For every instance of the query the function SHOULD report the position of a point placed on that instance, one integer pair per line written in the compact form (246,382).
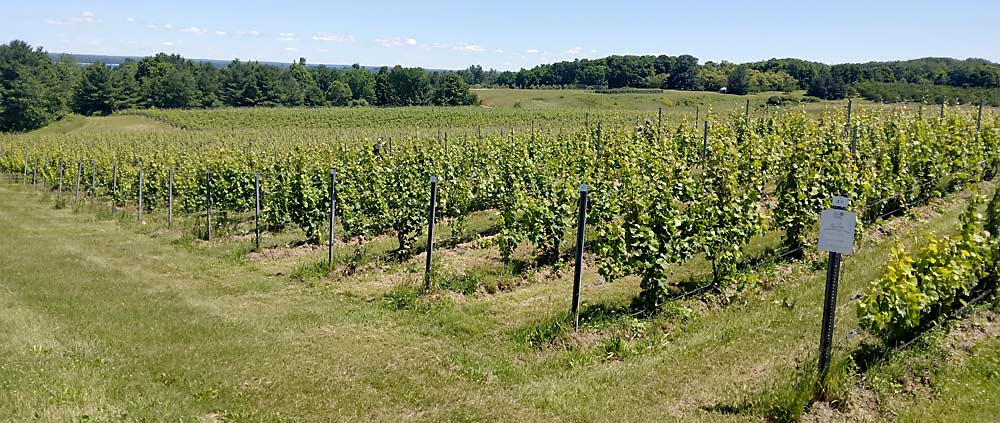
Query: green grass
(76,124)
(103,320)
(588,99)
(968,390)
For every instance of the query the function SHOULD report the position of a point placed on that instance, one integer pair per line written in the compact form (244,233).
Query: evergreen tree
(208,80)
(31,92)
(311,94)
(94,93)
(124,87)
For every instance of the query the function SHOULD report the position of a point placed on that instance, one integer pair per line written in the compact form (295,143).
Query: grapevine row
(660,194)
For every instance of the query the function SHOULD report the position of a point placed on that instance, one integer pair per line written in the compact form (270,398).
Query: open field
(104,322)
(671,100)
(115,318)
(112,124)
(679,105)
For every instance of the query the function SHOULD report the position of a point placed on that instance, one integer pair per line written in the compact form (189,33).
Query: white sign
(836,231)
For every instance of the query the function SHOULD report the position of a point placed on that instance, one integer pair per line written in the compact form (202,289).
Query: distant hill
(86,59)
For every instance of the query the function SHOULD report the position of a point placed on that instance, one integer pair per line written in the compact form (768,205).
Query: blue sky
(509,34)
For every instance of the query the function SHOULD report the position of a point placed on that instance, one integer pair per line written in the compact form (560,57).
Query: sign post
(256,214)
(208,205)
(581,222)
(62,170)
(139,214)
(836,235)
(431,212)
(170,197)
(333,211)
(79,175)
(114,188)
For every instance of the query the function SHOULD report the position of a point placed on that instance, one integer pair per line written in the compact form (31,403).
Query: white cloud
(337,38)
(194,30)
(130,19)
(323,50)
(395,42)
(220,32)
(291,49)
(412,42)
(532,51)
(157,26)
(575,50)
(84,17)
(499,51)
(167,43)
(286,34)
(474,48)
(286,39)
(593,51)
(252,33)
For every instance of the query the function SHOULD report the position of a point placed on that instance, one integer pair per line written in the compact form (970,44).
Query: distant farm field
(648,100)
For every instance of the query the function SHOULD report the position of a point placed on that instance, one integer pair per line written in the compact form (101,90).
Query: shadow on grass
(593,317)
(790,393)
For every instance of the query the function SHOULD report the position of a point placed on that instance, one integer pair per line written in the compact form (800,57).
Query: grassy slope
(108,323)
(94,124)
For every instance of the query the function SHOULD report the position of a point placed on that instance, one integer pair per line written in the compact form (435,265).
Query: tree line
(35,90)
(927,79)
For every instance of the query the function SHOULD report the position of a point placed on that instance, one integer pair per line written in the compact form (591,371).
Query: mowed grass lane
(105,324)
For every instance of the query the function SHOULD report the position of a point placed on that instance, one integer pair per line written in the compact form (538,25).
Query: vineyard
(734,190)
(661,193)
